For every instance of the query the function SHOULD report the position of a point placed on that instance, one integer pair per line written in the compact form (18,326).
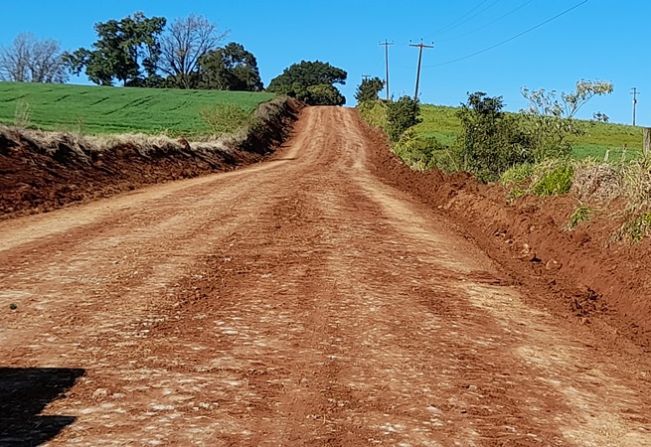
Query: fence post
(647,141)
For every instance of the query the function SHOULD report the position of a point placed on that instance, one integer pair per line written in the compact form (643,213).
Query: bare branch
(31,60)
(187,40)
(565,105)
(14,60)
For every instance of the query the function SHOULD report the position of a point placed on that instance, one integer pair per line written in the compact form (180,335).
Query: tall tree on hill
(369,90)
(123,49)
(230,68)
(184,45)
(31,60)
(301,81)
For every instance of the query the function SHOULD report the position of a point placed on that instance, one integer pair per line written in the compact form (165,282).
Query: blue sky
(603,40)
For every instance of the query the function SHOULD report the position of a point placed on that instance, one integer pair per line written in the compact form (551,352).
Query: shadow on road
(24,393)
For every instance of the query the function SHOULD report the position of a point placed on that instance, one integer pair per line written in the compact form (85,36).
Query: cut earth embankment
(593,278)
(45,171)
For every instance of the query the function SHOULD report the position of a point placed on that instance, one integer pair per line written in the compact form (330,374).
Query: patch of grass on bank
(439,122)
(109,110)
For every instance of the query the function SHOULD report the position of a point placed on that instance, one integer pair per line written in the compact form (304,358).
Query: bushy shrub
(374,113)
(517,175)
(548,135)
(491,141)
(517,179)
(423,153)
(401,115)
(553,178)
(549,118)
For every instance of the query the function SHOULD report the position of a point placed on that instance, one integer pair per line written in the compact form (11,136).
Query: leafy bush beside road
(401,115)
(491,141)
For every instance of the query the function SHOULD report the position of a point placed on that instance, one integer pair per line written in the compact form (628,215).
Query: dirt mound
(603,283)
(41,172)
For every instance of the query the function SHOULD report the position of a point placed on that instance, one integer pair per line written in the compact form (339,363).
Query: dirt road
(299,302)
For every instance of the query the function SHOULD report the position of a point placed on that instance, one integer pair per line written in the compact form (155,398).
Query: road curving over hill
(296,302)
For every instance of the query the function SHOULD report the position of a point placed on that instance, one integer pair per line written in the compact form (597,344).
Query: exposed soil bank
(605,284)
(44,174)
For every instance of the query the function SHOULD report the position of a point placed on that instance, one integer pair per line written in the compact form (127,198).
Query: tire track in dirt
(301,302)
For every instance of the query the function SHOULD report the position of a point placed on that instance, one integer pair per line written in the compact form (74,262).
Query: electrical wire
(466,14)
(492,22)
(512,38)
(468,18)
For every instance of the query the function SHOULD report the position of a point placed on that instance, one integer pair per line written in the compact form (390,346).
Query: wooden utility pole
(647,141)
(386,44)
(634,93)
(420,47)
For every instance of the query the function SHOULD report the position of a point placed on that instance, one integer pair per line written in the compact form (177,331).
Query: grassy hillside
(442,123)
(100,110)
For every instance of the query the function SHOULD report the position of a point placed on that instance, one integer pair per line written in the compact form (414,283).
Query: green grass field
(442,123)
(101,110)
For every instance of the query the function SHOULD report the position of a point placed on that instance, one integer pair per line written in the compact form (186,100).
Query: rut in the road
(298,302)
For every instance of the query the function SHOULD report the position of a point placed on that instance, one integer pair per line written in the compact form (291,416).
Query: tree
(565,105)
(401,115)
(490,141)
(31,60)
(184,45)
(369,90)
(123,49)
(549,119)
(298,78)
(230,68)
(321,95)
(600,117)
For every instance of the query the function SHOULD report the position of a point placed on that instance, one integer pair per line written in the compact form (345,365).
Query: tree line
(188,53)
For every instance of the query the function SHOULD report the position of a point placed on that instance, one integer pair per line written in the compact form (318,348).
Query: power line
(454,22)
(492,22)
(510,39)
(470,17)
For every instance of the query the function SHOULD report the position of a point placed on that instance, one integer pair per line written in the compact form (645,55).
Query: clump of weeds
(581,214)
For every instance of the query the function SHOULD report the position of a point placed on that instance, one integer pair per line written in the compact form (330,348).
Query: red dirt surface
(605,284)
(302,302)
(36,178)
